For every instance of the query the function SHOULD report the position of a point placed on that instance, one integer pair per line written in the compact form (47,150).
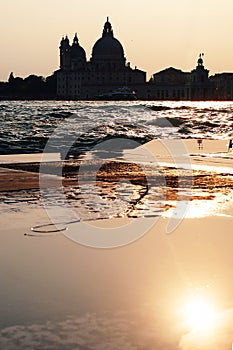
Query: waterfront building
(170,84)
(201,87)
(174,84)
(106,70)
(223,86)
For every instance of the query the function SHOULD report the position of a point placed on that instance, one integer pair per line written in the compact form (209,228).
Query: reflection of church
(108,71)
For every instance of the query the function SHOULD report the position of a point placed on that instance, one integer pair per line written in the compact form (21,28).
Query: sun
(199,314)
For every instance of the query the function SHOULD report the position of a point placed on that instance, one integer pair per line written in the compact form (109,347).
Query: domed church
(106,70)
(108,53)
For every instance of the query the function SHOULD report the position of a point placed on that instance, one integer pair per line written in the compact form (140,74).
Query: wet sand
(162,173)
(173,164)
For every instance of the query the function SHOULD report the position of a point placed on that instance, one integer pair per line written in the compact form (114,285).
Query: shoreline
(167,170)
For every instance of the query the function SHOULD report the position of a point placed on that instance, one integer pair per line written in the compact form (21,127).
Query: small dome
(76,50)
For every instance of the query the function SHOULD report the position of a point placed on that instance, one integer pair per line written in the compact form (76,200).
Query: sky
(155,34)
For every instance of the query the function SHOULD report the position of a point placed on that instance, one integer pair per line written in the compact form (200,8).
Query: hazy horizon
(170,33)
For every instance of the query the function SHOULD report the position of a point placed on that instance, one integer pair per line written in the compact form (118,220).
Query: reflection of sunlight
(199,314)
(197,208)
(194,209)
(202,208)
(215,206)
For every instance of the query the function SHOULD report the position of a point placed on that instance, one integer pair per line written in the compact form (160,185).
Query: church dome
(107,46)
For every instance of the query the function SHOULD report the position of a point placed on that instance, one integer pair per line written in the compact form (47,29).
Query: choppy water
(25,126)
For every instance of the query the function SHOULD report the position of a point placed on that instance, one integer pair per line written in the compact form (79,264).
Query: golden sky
(155,34)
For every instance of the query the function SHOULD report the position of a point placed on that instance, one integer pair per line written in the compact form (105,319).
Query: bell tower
(65,54)
(200,75)
(200,83)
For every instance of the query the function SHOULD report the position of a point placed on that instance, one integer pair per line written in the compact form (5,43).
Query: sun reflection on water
(199,208)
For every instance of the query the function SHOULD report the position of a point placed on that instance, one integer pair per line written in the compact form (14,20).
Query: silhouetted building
(223,86)
(107,75)
(201,87)
(174,84)
(169,84)
(107,69)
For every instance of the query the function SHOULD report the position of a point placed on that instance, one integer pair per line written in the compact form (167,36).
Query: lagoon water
(25,126)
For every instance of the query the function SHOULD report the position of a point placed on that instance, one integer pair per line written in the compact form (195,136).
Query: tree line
(31,87)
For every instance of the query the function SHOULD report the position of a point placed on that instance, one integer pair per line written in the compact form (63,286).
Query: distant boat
(118,95)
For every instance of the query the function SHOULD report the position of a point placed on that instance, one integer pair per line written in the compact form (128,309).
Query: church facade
(106,70)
